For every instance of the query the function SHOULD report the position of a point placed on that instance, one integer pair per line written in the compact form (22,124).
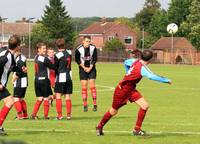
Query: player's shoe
(34,117)
(69,117)
(99,131)
(58,118)
(2,132)
(19,118)
(94,108)
(46,118)
(139,133)
(25,117)
(85,108)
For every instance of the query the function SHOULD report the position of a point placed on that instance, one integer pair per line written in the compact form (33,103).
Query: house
(21,28)
(181,51)
(101,32)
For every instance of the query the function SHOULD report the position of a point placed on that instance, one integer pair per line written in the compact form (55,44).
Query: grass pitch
(173,117)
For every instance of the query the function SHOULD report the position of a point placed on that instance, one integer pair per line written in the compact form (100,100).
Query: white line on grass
(93,131)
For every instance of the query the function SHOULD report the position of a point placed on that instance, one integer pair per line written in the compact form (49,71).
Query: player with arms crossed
(126,91)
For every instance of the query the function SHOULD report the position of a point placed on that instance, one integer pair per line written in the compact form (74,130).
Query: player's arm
(49,64)
(94,58)
(78,60)
(146,72)
(3,61)
(128,63)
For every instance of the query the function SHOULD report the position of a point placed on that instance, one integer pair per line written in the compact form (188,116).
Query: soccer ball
(172,28)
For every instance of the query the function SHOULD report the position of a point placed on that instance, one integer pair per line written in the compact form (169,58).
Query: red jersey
(52,74)
(133,76)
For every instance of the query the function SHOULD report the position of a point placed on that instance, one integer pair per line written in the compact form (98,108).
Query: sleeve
(94,57)
(145,71)
(128,63)
(3,61)
(77,57)
(19,64)
(48,63)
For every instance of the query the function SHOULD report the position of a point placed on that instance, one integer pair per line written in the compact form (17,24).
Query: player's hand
(1,87)
(14,78)
(24,69)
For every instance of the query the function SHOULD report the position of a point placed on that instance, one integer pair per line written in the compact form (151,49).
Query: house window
(110,38)
(128,40)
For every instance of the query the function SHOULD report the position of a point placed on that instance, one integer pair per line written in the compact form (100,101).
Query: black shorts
(19,92)
(85,76)
(43,88)
(4,93)
(64,88)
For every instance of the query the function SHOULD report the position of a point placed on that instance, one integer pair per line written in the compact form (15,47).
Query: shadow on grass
(11,142)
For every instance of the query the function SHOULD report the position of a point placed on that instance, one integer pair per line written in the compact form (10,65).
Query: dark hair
(39,45)
(50,48)
(137,53)
(13,42)
(60,43)
(87,37)
(147,55)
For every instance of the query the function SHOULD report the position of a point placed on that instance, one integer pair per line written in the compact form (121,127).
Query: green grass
(174,110)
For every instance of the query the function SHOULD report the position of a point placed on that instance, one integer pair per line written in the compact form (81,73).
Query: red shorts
(121,96)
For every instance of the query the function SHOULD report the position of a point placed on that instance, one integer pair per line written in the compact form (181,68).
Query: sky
(16,9)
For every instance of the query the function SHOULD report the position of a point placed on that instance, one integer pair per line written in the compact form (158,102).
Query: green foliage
(191,27)
(58,22)
(158,24)
(114,45)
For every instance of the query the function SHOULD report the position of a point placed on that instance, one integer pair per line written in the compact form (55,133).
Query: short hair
(50,48)
(87,37)
(137,53)
(13,42)
(147,55)
(60,43)
(39,45)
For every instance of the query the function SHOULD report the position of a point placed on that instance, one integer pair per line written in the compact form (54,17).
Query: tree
(158,24)
(57,21)
(191,27)
(178,11)
(114,45)
(143,18)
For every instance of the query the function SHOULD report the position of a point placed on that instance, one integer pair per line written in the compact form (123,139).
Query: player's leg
(68,106)
(94,93)
(18,107)
(8,103)
(84,84)
(59,106)
(36,107)
(24,109)
(46,107)
(143,104)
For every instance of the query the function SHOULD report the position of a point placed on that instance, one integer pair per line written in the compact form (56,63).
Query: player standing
(126,91)
(63,85)
(86,58)
(42,82)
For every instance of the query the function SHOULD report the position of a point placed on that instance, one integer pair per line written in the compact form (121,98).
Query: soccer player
(42,82)
(6,64)
(20,81)
(63,85)
(52,74)
(86,58)
(126,91)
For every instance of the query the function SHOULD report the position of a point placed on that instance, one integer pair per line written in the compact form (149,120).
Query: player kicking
(20,81)
(126,91)
(42,82)
(6,64)
(86,58)
(63,85)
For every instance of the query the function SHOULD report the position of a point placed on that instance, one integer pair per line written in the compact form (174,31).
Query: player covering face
(126,90)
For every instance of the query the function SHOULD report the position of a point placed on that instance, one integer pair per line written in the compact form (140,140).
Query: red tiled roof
(99,28)
(165,43)
(16,28)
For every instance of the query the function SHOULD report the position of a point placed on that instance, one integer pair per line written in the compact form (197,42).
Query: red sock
(140,118)
(46,108)
(18,107)
(107,116)
(84,96)
(68,106)
(94,95)
(36,107)
(24,108)
(3,114)
(59,107)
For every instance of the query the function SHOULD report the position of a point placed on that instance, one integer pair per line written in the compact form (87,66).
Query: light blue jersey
(145,71)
